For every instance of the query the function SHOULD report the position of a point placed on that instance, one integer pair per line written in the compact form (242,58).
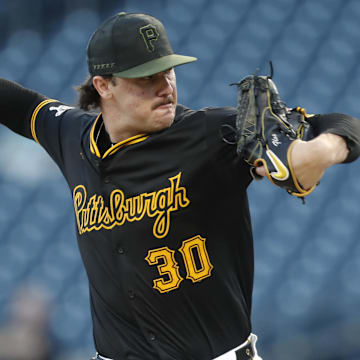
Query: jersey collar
(98,130)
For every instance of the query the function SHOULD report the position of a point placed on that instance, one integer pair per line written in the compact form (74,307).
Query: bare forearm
(310,159)
(329,149)
(338,141)
(343,125)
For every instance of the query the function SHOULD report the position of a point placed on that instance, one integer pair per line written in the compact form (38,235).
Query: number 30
(169,268)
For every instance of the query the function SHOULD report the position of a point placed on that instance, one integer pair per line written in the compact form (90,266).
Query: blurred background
(307,283)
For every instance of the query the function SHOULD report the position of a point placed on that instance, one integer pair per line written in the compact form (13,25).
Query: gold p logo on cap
(149,34)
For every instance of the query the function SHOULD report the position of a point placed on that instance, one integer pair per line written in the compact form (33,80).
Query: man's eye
(147,78)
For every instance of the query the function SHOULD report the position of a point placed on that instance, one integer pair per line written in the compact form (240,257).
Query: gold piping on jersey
(34,115)
(92,214)
(95,150)
(133,140)
(93,147)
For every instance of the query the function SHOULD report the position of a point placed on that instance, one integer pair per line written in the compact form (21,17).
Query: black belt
(245,353)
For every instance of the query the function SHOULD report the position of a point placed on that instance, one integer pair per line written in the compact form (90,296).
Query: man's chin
(163,122)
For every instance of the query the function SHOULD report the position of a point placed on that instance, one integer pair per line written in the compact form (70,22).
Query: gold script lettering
(91,214)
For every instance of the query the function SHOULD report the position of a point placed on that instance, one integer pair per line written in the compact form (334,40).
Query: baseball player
(160,204)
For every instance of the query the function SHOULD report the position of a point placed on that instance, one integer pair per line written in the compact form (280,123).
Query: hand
(311,158)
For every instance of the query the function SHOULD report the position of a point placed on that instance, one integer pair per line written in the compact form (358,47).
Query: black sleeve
(52,124)
(17,104)
(343,125)
(57,127)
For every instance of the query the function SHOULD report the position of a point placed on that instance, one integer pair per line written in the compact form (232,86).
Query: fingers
(260,170)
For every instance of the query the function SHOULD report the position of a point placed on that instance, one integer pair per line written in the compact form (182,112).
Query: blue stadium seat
(180,15)
(71,318)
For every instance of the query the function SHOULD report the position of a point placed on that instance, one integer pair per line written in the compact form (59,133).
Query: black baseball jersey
(163,226)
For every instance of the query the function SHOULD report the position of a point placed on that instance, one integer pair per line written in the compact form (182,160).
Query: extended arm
(337,141)
(17,104)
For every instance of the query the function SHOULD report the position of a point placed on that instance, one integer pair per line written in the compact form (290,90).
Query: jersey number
(196,259)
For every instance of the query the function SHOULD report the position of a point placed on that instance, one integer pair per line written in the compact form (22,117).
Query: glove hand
(311,158)
(267,131)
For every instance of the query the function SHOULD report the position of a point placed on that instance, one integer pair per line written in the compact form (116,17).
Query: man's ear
(102,86)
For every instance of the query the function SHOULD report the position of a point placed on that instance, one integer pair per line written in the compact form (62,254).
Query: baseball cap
(131,45)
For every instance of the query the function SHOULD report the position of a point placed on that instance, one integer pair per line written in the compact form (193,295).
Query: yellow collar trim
(130,141)
(93,146)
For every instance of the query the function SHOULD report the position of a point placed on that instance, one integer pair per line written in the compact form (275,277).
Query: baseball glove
(266,131)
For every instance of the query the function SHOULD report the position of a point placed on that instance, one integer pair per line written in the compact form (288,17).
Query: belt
(99,357)
(245,351)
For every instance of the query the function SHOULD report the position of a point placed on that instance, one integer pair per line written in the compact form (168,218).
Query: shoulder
(222,114)
(58,111)
(52,117)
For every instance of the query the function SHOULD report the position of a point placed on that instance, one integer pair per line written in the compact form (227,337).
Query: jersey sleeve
(56,127)
(16,106)
(52,124)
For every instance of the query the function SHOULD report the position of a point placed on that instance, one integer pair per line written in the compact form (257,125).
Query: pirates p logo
(150,35)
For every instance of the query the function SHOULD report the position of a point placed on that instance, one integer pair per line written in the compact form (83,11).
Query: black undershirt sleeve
(17,105)
(343,125)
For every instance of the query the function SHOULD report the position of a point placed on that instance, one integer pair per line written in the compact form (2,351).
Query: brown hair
(89,98)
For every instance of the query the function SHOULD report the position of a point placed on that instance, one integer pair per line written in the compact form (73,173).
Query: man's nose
(165,86)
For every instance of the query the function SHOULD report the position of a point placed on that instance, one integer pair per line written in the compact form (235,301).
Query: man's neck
(117,128)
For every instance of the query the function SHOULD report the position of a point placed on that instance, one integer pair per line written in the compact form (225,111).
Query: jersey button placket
(131,294)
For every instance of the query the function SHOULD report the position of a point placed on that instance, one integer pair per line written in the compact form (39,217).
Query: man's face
(146,104)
